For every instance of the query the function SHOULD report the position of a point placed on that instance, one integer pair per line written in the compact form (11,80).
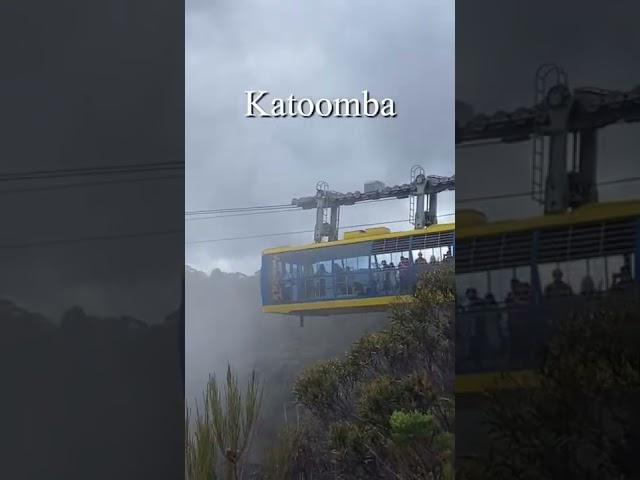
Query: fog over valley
(225,326)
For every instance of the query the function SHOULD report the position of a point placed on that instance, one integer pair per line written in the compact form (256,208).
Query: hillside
(76,389)
(225,325)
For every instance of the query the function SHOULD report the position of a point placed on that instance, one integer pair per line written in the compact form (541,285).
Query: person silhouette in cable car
(404,268)
(557,288)
(622,279)
(420,260)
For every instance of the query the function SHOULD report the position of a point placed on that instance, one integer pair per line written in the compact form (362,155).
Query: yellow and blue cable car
(514,277)
(365,271)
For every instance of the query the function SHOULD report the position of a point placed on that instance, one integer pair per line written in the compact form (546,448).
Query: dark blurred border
(547,326)
(91,239)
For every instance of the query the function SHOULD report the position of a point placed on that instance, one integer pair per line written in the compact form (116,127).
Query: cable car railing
(552,245)
(503,338)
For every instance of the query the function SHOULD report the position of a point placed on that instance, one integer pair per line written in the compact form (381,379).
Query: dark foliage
(385,410)
(577,419)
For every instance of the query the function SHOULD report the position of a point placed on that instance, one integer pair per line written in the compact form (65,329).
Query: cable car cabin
(514,277)
(365,271)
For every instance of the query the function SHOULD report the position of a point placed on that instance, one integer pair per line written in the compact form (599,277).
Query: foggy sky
(499,46)
(95,84)
(310,49)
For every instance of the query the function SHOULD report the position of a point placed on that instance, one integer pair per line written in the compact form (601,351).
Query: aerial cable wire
(299,232)
(526,194)
(91,184)
(91,171)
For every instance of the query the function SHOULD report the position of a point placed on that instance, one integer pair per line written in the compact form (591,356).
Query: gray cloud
(500,44)
(102,86)
(329,49)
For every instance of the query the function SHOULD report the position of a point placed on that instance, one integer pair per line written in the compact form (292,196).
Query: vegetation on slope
(385,410)
(577,420)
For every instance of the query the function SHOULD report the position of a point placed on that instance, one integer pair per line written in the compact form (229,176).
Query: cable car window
(351,264)
(386,267)
(362,263)
(596,270)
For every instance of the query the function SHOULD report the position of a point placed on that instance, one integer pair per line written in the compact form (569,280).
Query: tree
(200,450)
(385,410)
(227,425)
(575,422)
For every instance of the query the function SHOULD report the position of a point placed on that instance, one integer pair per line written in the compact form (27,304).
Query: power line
(248,212)
(92,171)
(493,197)
(278,234)
(134,235)
(619,180)
(526,194)
(66,241)
(242,211)
(264,235)
(85,173)
(243,214)
(481,144)
(97,168)
(91,184)
(229,239)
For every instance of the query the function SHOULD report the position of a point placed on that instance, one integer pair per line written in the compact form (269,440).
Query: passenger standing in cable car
(557,288)
(623,279)
(421,260)
(587,287)
(420,266)
(289,284)
(277,287)
(477,329)
(386,277)
(322,281)
(404,270)
(493,325)
(277,281)
(394,277)
(518,322)
(341,281)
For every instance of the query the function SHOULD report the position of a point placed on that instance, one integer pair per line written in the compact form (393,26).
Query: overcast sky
(310,49)
(499,46)
(98,84)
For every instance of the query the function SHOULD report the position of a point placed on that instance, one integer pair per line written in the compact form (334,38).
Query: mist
(226,327)
(334,49)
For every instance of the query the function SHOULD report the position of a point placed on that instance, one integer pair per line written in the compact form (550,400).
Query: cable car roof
(440,227)
(589,213)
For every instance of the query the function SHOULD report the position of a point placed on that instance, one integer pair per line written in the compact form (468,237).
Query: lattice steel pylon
(415,171)
(545,74)
(327,201)
(322,214)
(558,114)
